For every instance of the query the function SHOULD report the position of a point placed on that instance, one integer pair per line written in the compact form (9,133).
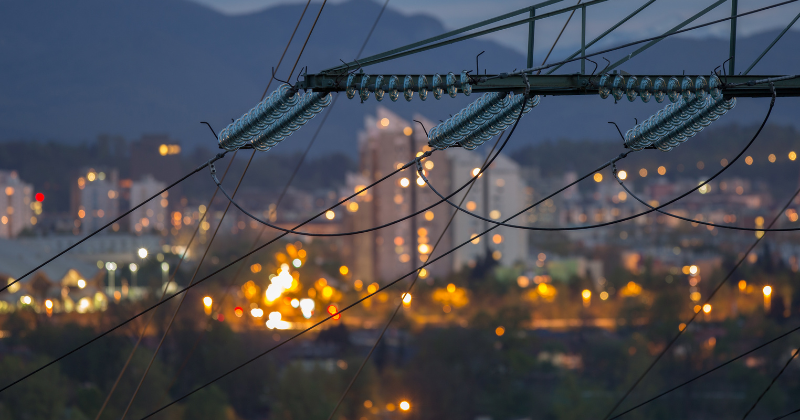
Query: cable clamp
(527,84)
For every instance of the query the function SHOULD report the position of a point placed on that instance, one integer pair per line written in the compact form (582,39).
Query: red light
(39,197)
(238,311)
(220,317)
(335,312)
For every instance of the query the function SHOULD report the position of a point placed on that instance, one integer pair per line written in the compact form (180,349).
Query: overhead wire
(369,295)
(716,289)
(183,297)
(699,222)
(772,382)
(183,290)
(280,196)
(163,293)
(413,282)
(610,163)
(694,316)
(714,369)
(227,207)
(51,259)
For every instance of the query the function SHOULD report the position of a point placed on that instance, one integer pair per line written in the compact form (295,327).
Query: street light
(111,268)
(134,269)
(767,298)
(164,273)
(142,253)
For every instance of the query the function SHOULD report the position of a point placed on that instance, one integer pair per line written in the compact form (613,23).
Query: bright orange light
(622,175)
(330,214)
(598,177)
(344,270)
(404,182)
(707,308)
(408,131)
(333,311)
(586,294)
(406,299)
(767,290)
(207,301)
(497,238)
(404,405)
(385,122)
(500,331)
(451,288)
(742,285)
(255,268)
(238,311)
(693,270)
(662,170)
(48,303)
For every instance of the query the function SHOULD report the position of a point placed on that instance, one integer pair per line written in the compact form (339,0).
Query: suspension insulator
(379,92)
(618,87)
(394,88)
(363,93)
(305,109)
(452,89)
(438,88)
(673,89)
(659,90)
(645,89)
(466,87)
(422,86)
(408,88)
(249,125)
(677,122)
(630,89)
(350,90)
(479,121)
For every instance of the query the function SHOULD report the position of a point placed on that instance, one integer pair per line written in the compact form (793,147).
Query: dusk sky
(659,17)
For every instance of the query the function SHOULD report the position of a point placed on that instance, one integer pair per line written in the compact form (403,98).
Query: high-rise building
(96,200)
(153,214)
(389,142)
(497,194)
(16,198)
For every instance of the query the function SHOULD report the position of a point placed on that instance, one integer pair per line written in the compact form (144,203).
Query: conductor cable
(609,163)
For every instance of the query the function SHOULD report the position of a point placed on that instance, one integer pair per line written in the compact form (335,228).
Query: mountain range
(73,70)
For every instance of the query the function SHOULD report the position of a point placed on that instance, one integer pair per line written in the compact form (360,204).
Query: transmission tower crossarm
(560,84)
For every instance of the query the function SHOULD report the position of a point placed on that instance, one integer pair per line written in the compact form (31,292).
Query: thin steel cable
(411,286)
(622,46)
(163,293)
(775,378)
(307,38)
(196,170)
(278,201)
(374,25)
(429,262)
(272,76)
(787,414)
(747,146)
(708,371)
(716,289)
(226,266)
(700,222)
(183,297)
(559,36)
(227,207)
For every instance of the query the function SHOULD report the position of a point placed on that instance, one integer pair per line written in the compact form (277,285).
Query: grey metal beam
(778,38)
(674,29)
(562,85)
(404,51)
(461,30)
(732,54)
(603,35)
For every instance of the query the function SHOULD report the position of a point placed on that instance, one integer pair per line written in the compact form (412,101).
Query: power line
(775,378)
(163,293)
(700,222)
(183,297)
(429,262)
(414,282)
(569,228)
(200,281)
(227,207)
(720,366)
(196,170)
(716,289)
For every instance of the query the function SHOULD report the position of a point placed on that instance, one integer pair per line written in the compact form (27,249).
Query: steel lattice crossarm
(362,85)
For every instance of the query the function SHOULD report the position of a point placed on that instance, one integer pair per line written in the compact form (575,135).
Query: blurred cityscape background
(519,324)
